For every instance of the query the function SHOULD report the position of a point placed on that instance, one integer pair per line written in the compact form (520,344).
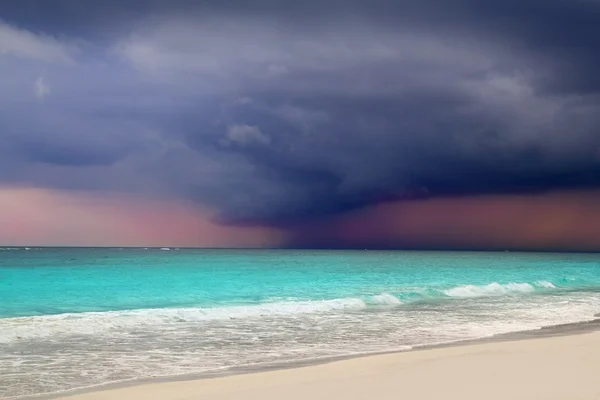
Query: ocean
(74,318)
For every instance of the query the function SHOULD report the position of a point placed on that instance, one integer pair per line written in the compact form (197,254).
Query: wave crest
(385,299)
(545,284)
(93,322)
(492,289)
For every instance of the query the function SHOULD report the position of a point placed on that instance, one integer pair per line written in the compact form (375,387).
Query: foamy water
(76,318)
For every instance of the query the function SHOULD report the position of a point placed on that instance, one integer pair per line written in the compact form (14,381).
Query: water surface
(72,318)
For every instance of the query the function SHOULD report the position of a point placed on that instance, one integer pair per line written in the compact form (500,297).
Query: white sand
(561,368)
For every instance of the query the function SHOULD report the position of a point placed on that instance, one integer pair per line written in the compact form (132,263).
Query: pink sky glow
(41,217)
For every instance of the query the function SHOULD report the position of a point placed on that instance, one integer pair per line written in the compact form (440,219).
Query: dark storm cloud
(272,109)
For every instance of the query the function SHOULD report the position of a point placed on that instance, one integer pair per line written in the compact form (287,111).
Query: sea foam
(96,322)
(492,289)
(385,299)
(545,284)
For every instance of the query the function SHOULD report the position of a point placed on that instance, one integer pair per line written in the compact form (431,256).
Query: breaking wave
(95,322)
(497,289)
(385,299)
(85,323)
(493,289)
(545,284)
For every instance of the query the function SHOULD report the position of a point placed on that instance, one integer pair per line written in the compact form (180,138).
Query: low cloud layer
(272,111)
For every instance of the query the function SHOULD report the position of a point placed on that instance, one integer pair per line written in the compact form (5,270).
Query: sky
(417,124)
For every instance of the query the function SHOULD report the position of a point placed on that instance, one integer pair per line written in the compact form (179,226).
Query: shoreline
(551,331)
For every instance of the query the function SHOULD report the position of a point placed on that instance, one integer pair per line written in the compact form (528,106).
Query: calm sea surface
(73,318)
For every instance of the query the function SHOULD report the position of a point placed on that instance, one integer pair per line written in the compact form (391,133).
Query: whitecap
(385,299)
(492,289)
(545,284)
(89,323)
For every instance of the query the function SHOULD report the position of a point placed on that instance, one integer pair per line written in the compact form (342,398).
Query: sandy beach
(559,367)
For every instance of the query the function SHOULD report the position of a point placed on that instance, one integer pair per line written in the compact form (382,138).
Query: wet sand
(554,363)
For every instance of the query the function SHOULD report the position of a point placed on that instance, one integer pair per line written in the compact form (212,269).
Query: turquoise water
(73,318)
